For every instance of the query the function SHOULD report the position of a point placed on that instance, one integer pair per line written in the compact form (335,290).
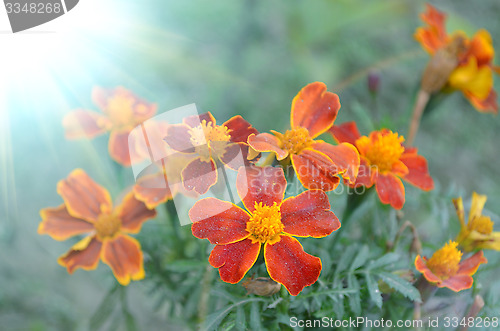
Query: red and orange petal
(118,147)
(83,197)
(239,129)
(60,225)
(481,48)
(85,254)
(178,138)
(433,36)
(265,185)
(345,133)
(266,142)
(314,108)
(390,190)
(235,155)
(218,221)
(153,190)
(234,260)
(315,170)
(288,264)
(488,105)
(124,256)
(308,215)
(418,172)
(199,175)
(85,123)
(366,174)
(421,266)
(133,213)
(345,156)
(470,265)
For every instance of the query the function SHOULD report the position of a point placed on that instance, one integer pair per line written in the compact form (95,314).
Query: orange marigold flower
(122,111)
(268,221)
(474,73)
(88,209)
(478,232)
(316,163)
(384,162)
(210,145)
(446,269)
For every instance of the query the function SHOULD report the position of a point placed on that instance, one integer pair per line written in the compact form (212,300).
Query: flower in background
(209,145)
(316,163)
(270,222)
(88,209)
(473,73)
(121,112)
(446,269)
(384,162)
(478,232)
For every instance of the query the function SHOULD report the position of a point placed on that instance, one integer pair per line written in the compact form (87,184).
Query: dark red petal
(256,184)
(457,283)
(83,197)
(195,120)
(488,105)
(199,176)
(390,190)
(133,213)
(308,214)
(118,147)
(234,260)
(345,156)
(240,129)
(179,139)
(288,264)
(124,257)
(266,142)
(421,266)
(345,133)
(418,173)
(60,225)
(469,266)
(235,155)
(365,174)
(315,170)
(314,108)
(85,123)
(220,222)
(85,254)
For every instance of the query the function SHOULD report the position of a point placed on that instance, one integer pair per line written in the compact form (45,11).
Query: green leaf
(240,319)
(255,315)
(360,258)
(373,290)
(105,309)
(213,320)
(345,258)
(401,285)
(383,261)
(354,298)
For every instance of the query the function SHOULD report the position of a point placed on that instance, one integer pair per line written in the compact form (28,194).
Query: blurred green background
(247,57)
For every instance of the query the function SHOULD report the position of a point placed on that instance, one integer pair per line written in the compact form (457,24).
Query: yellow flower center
(119,110)
(481,224)
(216,137)
(383,149)
(265,224)
(295,140)
(107,226)
(444,262)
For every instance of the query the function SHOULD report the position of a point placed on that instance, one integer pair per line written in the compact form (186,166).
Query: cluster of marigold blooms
(267,220)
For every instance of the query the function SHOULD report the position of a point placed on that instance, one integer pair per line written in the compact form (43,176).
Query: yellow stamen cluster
(208,132)
(119,110)
(481,224)
(295,140)
(265,223)
(382,149)
(444,262)
(107,226)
